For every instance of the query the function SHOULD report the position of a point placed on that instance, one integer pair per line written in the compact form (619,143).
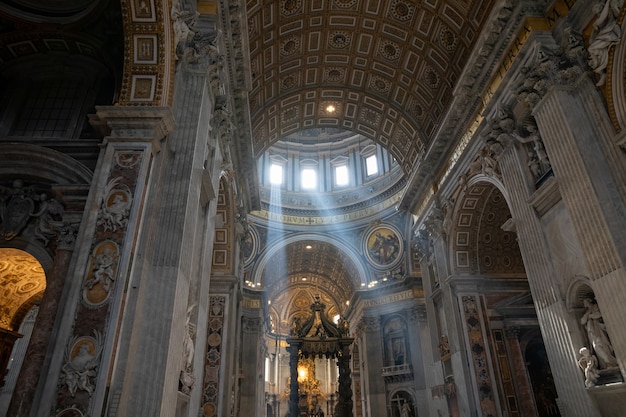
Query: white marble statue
(606,33)
(589,364)
(598,337)
(81,364)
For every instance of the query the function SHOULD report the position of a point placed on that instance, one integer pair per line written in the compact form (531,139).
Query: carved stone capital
(421,243)
(548,67)
(139,124)
(512,332)
(370,324)
(67,233)
(415,313)
(251,324)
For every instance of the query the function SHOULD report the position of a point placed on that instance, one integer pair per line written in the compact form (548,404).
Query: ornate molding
(30,213)
(369,324)
(251,324)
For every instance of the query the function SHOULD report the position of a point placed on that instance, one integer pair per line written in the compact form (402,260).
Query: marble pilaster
(30,373)
(159,299)
(375,390)
(591,171)
(549,304)
(252,362)
(523,386)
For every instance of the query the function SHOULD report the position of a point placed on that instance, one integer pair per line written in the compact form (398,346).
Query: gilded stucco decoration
(149,53)
(22,280)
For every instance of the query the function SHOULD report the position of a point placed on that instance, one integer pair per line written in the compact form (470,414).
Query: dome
(329,175)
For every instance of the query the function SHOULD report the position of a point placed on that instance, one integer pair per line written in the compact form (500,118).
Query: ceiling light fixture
(330,108)
(309,247)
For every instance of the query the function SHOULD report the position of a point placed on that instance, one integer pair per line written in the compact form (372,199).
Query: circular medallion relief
(290,7)
(383,246)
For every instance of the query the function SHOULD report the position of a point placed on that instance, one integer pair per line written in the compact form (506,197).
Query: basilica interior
(308,208)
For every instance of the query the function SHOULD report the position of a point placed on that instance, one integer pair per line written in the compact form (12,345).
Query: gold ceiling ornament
(22,280)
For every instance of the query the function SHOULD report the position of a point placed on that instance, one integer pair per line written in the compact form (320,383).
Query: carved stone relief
(30,213)
(82,358)
(100,279)
(115,206)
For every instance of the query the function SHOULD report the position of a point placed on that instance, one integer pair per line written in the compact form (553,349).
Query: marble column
(526,401)
(30,373)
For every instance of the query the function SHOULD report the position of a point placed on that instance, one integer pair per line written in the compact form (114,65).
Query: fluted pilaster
(591,172)
(551,310)
(527,404)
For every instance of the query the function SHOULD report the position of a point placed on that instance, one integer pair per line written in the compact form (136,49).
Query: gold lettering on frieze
(327,220)
(251,303)
(388,299)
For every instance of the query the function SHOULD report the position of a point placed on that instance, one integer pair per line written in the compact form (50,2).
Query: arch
(43,165)
(402,403)
(396,349)
(540,374)
(147,80)
(397,95)
(578,290)
(402,137)
(22,283)
(477,234)
(360,278)
(615,83)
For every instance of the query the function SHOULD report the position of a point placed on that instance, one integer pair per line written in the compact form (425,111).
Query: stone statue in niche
(589,364)
(405,410)
(606,33)
(49,217)
(399,351)
(597,335)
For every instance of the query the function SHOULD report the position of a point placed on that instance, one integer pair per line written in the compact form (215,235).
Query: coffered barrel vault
(388,68)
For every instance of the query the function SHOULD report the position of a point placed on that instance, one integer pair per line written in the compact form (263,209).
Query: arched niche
(397,349)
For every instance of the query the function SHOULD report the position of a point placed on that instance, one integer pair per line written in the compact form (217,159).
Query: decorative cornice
(501,30)
(235,49)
